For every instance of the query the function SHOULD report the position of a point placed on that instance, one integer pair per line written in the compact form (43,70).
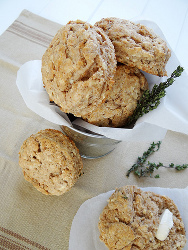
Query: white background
(170,15)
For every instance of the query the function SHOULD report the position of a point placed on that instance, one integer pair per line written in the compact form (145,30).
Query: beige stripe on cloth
(29,219)
(33,35)
(11,240)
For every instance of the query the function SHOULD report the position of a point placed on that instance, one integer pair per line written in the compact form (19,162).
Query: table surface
(27,216)
(170,15)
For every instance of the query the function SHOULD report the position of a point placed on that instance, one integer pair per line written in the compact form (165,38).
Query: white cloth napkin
(84,234)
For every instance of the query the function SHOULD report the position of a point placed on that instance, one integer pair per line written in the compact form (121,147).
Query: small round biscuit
(78,67)
(136,45)
(131,220)
(122,100)
(50,161)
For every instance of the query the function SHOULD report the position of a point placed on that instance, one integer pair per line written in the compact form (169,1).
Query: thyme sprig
(141,160)
(150,100)
(144,169)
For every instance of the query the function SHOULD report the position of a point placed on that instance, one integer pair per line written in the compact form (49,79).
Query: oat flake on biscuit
(78,67)
(50,161)
(122,100)
(136,45)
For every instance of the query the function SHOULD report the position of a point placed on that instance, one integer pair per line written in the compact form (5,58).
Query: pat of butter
(166,223)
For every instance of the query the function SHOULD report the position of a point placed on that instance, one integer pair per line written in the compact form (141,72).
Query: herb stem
(144,169)
(150,100)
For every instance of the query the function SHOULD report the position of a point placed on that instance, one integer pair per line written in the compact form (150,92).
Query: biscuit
(50,161)
(78,67)
(122,100)
(131,219)
(136,45)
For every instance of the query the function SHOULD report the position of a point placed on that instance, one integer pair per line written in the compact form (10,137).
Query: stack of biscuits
(94,71)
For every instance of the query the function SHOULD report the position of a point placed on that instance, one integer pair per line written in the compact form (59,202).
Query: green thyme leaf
(157,176)
(181,167)
(124,197)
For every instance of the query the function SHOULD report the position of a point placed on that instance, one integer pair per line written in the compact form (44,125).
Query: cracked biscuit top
(129,84)
(78,67)
(50,161)
(136,45)
(131,218)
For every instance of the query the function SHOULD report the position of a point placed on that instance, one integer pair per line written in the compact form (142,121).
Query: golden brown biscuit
(131,219)
(50,161)
(78,67)
(136,45)
(122,100)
